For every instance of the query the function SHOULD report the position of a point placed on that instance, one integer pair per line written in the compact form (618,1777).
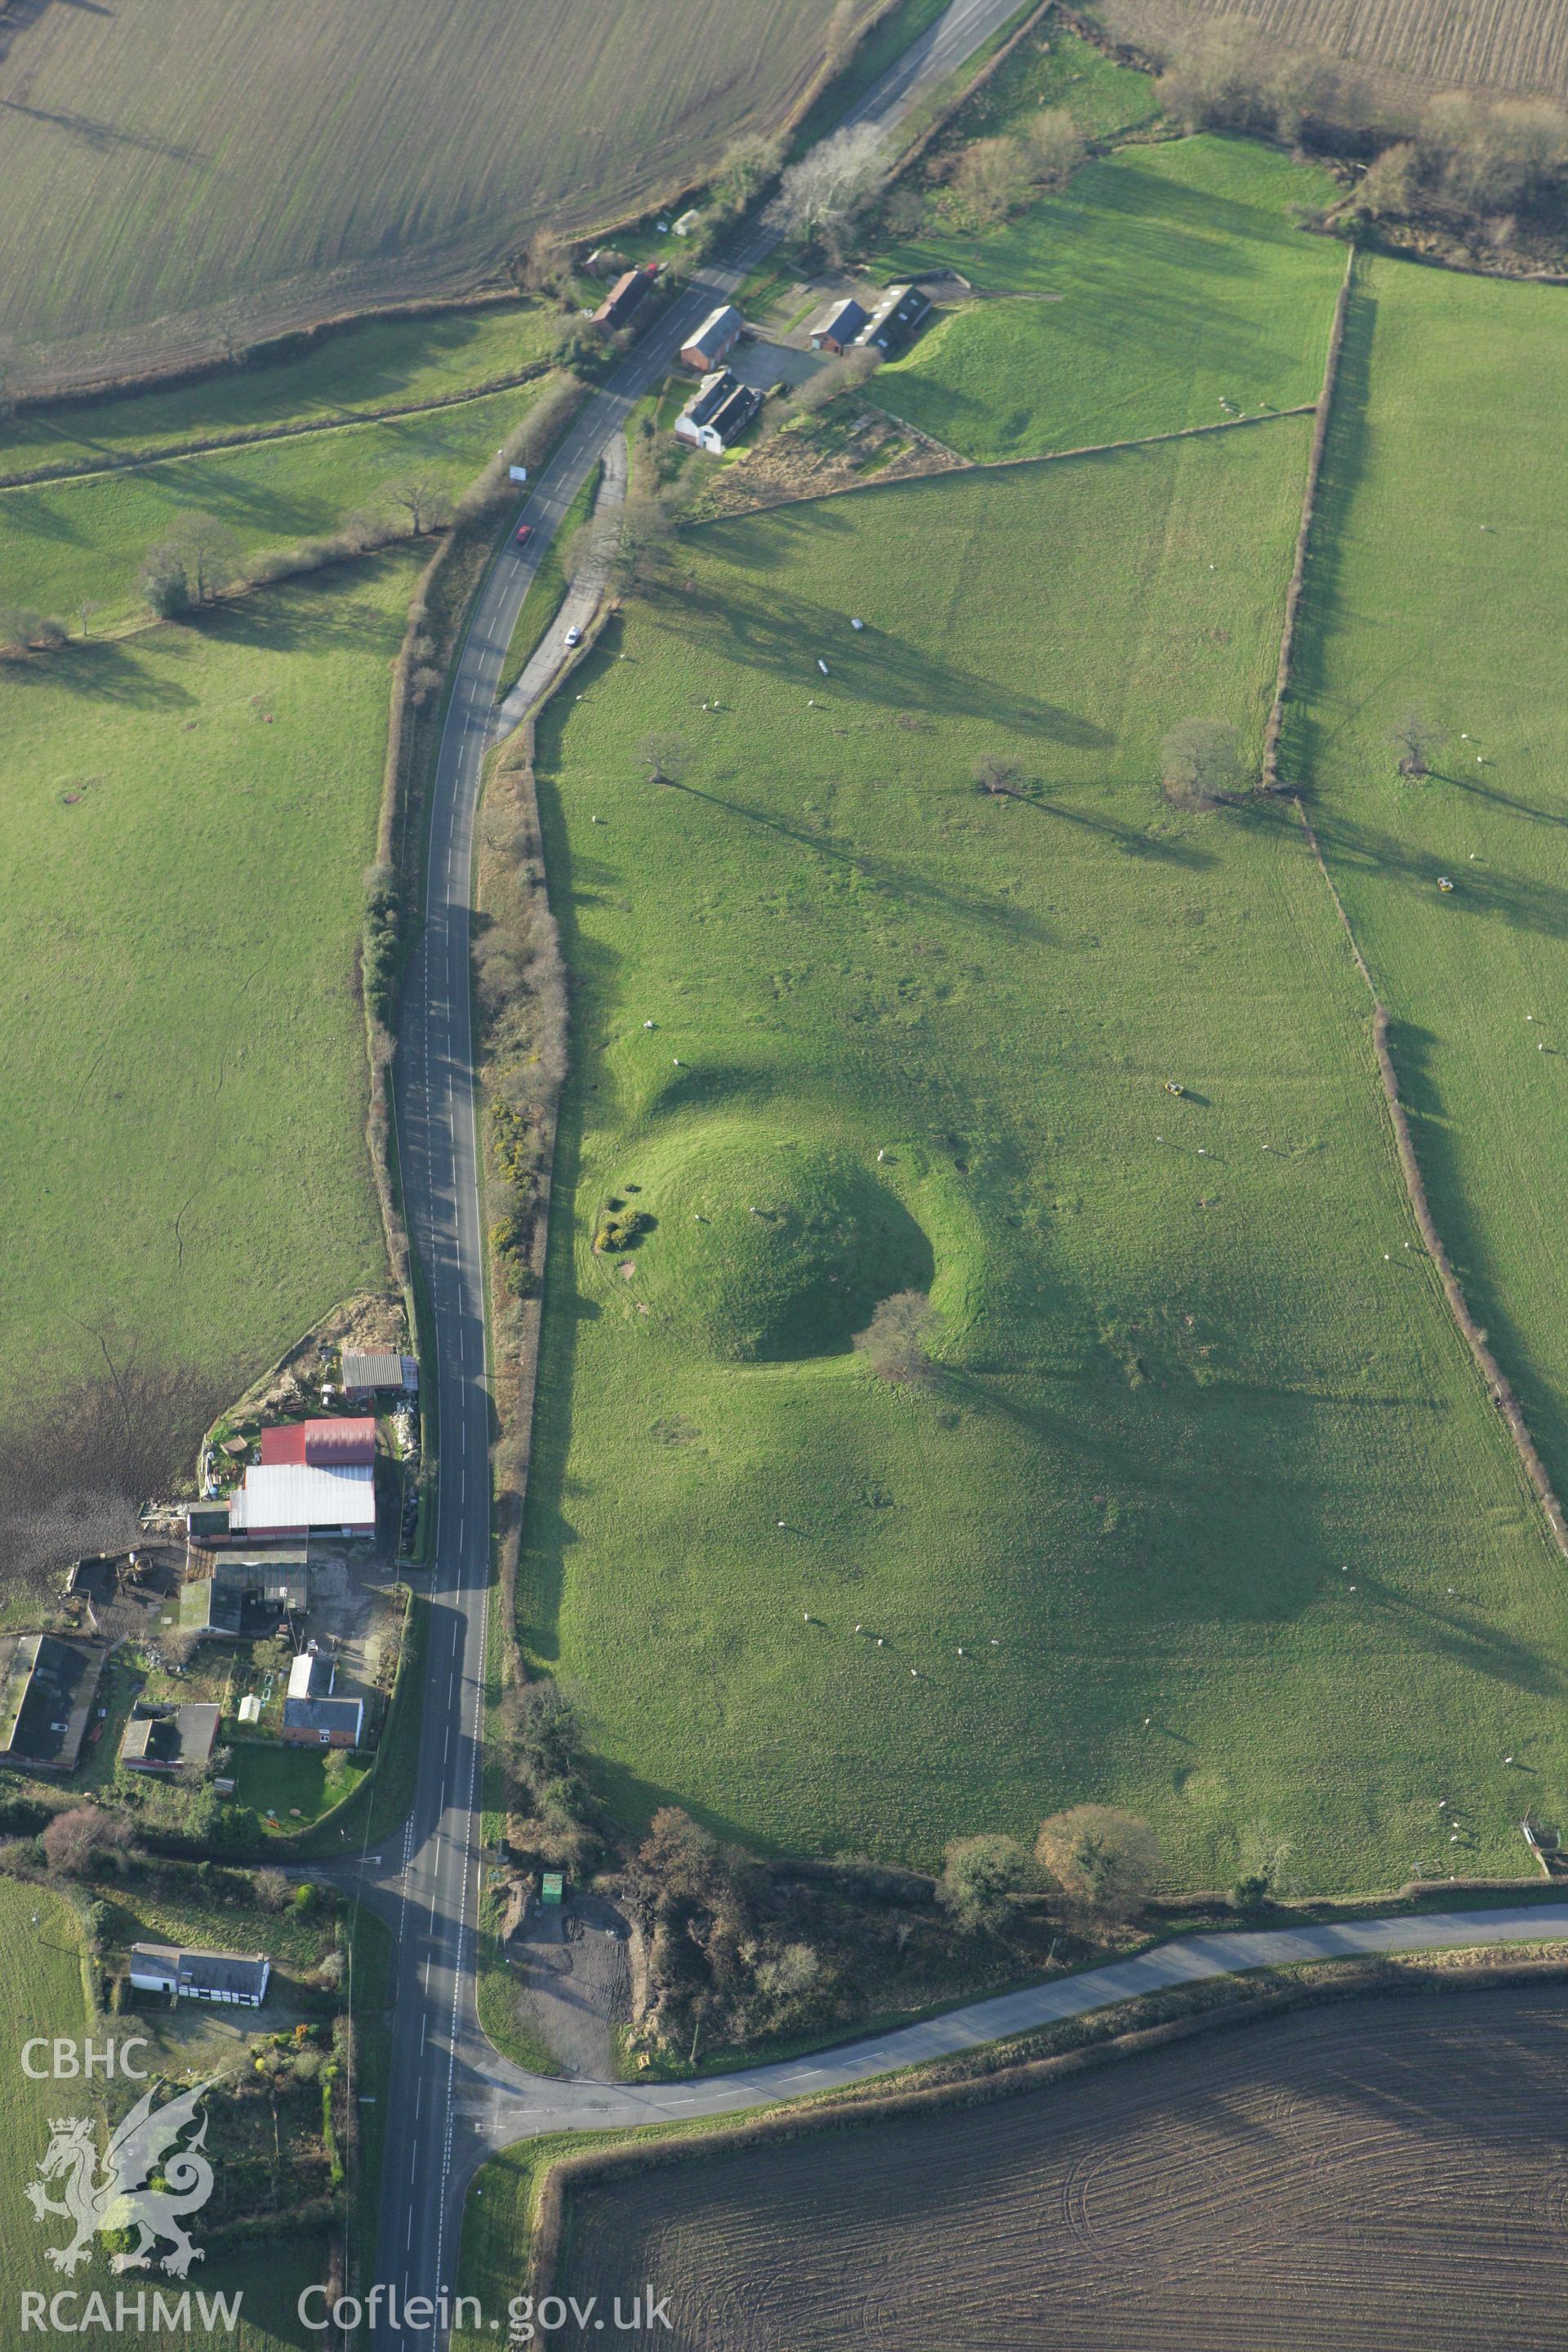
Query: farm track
(1385,2172)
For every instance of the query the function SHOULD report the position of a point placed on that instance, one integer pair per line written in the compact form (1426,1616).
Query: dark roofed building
(46,1689)
(714,341)
(200,1976)
(323,1722)
(894,319)
(837,327)
(243,1592)
(623,300)
(183,1738)
(722,408)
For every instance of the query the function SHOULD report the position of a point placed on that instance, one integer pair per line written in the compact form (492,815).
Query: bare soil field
(1503,45)
(302,162)
(1390,2173)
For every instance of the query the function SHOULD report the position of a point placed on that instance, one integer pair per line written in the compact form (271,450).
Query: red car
(524,533)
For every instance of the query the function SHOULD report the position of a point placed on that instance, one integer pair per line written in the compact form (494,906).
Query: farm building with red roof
(320,1444)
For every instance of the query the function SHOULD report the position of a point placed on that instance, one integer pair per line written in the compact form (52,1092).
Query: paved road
(428,1888)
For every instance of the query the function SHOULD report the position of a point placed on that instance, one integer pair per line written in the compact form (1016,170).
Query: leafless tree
(647,529)
(424,502)
(1200,763)
(542,262)
(1485,157)
(78,1842)
(993,176)
(996,774)
(1417,742)
(1105,1861)
(208,551)
(1392,185)
(898,1341)
(846,373)
(665,757)
(1057,145)
(819,197)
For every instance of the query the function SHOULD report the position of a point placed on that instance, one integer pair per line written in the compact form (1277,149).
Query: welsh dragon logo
(148,2182)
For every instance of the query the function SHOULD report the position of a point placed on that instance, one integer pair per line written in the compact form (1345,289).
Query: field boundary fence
(1498,1385)
(1325,402)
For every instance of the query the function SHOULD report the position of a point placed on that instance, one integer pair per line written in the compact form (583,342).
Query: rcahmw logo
(136,2193)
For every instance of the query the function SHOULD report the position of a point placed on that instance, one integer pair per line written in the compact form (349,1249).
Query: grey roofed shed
(200,1976)
(837,326)
(378,1368)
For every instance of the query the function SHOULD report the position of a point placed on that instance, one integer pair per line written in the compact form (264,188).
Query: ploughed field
(1391,2173)
(178,167)
(1501,45)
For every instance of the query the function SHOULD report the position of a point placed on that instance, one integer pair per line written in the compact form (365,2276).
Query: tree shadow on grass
(1129,838)
(318,612)
(1434,1126)
(898,880)
(1519,901)
(787,635)
(104,668)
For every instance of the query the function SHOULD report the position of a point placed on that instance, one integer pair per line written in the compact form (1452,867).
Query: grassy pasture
(1439,578)
(1055,67)
(168,168)
(1182,1383)
(381,363)
(1163,281)
(45,1997)
(67,540)
(186,816)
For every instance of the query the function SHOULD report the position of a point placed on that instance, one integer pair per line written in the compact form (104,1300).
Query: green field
(186,817)
(1164,282)
(1439,582)
(357,372)
(1056,68)
(45,1997)
(173,168)
(1193,1390)
(64,540)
